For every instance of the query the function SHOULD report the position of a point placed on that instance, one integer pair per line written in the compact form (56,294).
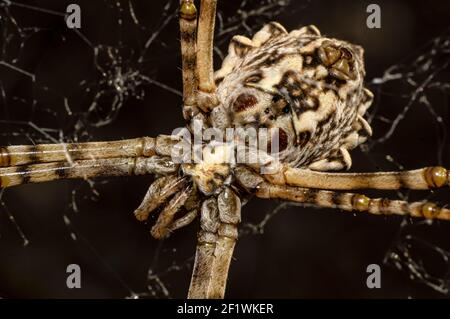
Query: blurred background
(119,77)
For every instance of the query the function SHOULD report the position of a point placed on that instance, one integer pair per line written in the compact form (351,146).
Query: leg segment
(205,46)
(188,26)
(37,173)
(166,217)
(204,255)
(352,202)
(184,221)
(423,178)
(45,153)
(159,191)
(230,216)
(215,247)
(192,206)
(256,184)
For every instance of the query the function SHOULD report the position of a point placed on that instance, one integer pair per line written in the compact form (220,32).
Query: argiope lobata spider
(307,86)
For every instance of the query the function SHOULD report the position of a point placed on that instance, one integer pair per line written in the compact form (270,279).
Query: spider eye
(286,109)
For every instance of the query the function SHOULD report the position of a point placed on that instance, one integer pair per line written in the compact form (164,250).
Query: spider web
(125,68)
(421,82)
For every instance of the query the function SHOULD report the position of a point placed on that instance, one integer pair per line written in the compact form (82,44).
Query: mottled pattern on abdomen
(307,85)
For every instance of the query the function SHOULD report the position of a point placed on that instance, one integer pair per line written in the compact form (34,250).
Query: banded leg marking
(215,247)
(158,192)
(423,178)
(352,202)
(37,173)
(188,26)
(206,98)
(204,255)
(166,217)
(46,153)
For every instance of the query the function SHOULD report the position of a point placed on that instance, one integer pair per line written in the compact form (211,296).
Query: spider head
(307,88)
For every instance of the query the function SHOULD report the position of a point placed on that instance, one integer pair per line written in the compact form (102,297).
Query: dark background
(302,253)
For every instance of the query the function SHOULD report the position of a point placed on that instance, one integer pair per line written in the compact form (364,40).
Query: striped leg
(37,173)
(346,201)
(423,178)
(192,207)
(167,216)
(230,216)
(352,202)
(46,162)
(159,191)
(184,221)
(205,68)
(204,255)
(188,26)
(46,153)
(216,241)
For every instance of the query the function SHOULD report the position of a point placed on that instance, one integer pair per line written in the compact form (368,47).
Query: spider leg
(166,217)
(157,194)
(423,178)
(352,202)
(216,241)
(68,152)
(230,216)
(204,255)
(37,173)
(206,98)
(331,199)
(23,164)
(192,206)
(45,153)
(188,25)
(184,221)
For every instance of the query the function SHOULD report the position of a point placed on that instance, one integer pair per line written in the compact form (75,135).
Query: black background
(303,252)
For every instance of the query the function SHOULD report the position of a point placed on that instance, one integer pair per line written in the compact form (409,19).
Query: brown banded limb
(85,169)
(332,199)
(216,240)
(67,152)
(352,202)
(421,179)
(188,35)
(46,162)
(206,97)
(199,88)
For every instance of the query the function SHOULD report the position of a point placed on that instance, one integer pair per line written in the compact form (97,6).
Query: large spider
(305,89)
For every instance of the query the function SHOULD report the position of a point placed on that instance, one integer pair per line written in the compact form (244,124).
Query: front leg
(206,97)
(188,26)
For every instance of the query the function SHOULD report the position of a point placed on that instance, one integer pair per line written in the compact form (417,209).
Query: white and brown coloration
(307,86)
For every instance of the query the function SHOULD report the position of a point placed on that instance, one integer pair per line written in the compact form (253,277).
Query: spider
(305,89)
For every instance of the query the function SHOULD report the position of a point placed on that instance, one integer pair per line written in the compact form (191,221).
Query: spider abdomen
(306,86)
